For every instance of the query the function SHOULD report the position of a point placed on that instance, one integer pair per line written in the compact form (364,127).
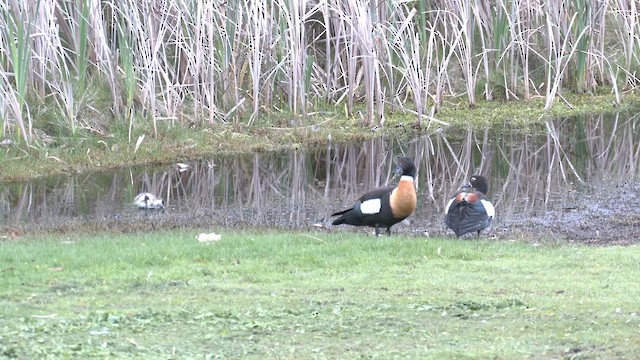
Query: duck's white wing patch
(488,206)
(446,208)
(371,206)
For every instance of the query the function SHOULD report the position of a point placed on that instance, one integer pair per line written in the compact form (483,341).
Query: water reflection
(559,179)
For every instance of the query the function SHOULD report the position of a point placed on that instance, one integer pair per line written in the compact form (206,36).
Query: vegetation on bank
(314,295)
(81,68)
(83,81)
(91,151)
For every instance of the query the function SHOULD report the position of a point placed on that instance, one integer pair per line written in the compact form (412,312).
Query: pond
(571,178)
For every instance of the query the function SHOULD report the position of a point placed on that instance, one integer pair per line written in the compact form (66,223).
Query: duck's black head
(480,183)
(406,167)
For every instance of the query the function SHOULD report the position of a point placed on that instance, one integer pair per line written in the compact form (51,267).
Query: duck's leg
(377,230)
(389,231)
(478,234)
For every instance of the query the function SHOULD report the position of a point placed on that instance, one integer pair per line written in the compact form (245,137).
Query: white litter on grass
(203,238)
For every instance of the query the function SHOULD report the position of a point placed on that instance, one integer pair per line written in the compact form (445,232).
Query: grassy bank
(91,151)
(78,92)
(314,295)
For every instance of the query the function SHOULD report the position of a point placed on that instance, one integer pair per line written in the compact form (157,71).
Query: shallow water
(573,179)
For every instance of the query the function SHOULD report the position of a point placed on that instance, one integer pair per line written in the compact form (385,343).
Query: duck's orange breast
(469,197)
(403,199)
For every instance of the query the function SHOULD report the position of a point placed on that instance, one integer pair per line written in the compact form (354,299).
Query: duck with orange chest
(469,210)
(384,206)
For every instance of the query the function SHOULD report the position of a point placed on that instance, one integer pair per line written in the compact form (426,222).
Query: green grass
(314,295)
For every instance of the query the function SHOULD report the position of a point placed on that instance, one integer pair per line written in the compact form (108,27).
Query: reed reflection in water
(559,179)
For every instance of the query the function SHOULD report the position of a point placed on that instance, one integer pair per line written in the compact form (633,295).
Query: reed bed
(71,66)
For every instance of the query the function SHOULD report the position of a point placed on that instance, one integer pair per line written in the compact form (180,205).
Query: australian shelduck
(469,210)
(148,201)
(384,206)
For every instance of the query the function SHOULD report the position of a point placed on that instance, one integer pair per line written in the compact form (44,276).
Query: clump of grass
(300,294)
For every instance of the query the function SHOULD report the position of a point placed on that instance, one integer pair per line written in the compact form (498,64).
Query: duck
(148,201)
(469,210)
(384,206)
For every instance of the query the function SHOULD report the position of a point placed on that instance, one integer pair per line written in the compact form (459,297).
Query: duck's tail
(348,216)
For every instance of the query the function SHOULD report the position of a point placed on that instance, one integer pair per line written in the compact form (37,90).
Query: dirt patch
(604,214)
(600,216)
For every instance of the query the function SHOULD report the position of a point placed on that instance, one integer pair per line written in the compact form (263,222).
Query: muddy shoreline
(578,182)
(604,215)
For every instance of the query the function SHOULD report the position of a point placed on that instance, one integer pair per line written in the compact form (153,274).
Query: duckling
(148,201)
(384,206)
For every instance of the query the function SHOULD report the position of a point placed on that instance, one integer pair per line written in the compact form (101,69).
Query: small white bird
(148,201)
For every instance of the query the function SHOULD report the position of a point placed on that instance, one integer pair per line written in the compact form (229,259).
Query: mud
(591,217)
(602,214)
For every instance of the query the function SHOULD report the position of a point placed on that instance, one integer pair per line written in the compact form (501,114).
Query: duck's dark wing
(366,210)
(468,212)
